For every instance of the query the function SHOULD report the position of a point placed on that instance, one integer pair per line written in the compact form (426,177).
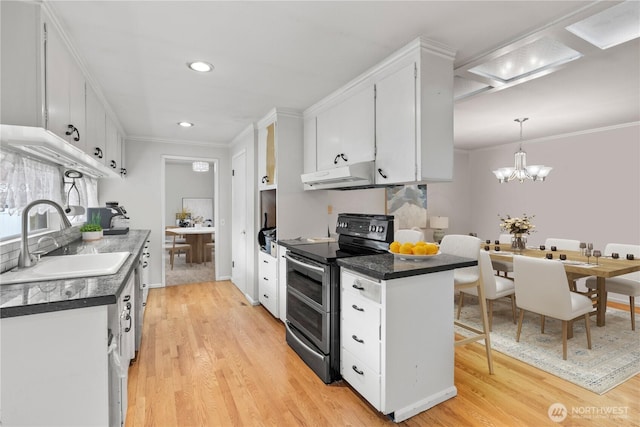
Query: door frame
(216,196)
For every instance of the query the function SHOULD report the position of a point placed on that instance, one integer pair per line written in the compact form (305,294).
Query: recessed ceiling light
(200,66)
(533,58)
(611,27)
(185,124)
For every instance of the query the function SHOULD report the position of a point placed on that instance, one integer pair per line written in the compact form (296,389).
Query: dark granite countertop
(41,297)
(387,267)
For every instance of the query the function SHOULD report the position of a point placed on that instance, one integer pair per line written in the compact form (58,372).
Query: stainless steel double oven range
(313,288)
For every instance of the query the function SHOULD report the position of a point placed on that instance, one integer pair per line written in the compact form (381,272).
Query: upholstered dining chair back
(464,246)
(563,244)
(542,287)
(407,235)
(487,276)
(622,249)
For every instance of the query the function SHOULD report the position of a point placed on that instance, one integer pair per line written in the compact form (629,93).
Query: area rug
(184,272)
(615,349)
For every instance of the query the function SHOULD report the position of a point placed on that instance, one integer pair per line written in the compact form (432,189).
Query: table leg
(602,301)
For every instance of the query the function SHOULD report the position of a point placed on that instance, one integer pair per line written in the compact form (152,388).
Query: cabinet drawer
(360,329)
(268,266)
(364,380)
(360,285)
(269,295)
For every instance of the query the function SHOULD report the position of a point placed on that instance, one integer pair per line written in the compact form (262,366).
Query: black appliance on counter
(113,218)
(313,288)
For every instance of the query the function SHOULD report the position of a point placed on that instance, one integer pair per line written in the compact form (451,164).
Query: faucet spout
(25,260)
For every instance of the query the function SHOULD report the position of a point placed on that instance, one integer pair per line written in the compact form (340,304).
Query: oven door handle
(299,341)
(304,264)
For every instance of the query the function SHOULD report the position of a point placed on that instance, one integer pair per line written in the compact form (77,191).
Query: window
(23,180)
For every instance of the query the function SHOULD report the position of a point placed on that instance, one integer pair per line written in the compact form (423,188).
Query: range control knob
(380,228)
(372,228)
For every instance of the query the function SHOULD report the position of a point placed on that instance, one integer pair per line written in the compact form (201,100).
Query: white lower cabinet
(268,282)
(396,347)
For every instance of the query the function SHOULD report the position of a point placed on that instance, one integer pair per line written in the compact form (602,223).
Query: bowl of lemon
(414,251)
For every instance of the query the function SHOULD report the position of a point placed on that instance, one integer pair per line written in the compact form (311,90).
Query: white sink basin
(67,267)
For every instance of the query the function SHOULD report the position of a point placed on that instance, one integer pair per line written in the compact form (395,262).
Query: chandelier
(200,166)
(521,171)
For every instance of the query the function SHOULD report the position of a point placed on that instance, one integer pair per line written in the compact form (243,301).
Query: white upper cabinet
(44,87)
(96,128)
(396,127)
(399,113)
(65,91)
(22,76)
(345,131)
(114,146)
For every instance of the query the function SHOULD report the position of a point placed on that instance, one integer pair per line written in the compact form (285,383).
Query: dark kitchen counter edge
(387,267)
(78,293)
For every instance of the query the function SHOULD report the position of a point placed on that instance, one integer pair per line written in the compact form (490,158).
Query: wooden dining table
(577,266)
(196,237)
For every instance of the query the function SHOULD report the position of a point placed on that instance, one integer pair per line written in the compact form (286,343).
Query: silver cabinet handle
(302,264)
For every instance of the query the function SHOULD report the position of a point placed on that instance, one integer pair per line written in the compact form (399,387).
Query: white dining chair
(499,266)
(542,287)
(408,235)
(625,284)
(469,278)
(495,287)
(562,244)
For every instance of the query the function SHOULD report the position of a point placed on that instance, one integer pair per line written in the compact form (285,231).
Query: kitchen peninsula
(397,337)
(59,338)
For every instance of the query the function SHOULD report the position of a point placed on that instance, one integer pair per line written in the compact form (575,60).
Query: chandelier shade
(520,170)
(200,166)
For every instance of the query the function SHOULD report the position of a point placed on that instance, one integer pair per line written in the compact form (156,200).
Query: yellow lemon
(420,250)
(406,248)
(420,243)
(431,248)
(394,247)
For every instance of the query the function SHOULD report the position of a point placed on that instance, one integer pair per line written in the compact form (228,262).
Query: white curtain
(23,180)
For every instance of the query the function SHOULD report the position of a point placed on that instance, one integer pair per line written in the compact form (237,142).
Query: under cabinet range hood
(43,144)
(354,175)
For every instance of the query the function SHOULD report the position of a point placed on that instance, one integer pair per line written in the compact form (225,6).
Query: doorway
(190,205)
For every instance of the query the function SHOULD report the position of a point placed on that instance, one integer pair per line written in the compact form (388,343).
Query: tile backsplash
(10,251)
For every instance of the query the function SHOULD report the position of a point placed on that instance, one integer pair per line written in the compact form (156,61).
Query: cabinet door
(345,132)
(96,127)
(57,82)
(396,127)
(65,91)
(113,146)
(77,106)
(267,156)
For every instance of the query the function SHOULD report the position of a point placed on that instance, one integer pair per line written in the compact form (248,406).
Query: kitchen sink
(67,267)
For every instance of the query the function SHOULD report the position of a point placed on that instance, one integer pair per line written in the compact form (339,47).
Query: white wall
(181,181)
(592,194)
(141,194)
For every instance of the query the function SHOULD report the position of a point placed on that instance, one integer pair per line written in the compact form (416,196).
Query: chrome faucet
(25,259)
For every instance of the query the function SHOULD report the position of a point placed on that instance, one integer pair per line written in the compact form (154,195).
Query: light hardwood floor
(208,358)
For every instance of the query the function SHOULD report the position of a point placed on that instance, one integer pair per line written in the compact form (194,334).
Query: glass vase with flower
(519,228)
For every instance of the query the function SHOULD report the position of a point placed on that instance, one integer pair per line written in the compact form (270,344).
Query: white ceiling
(292,54)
